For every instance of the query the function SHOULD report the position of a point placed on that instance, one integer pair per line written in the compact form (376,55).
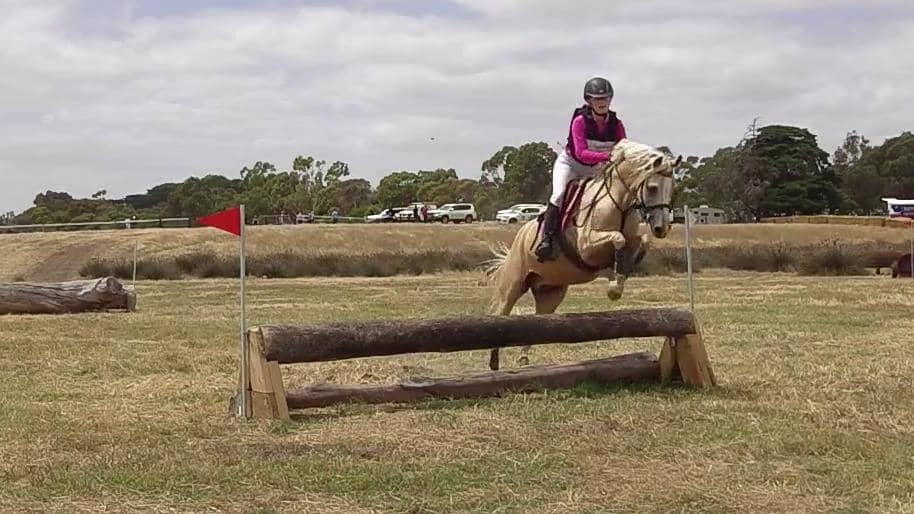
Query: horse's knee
(617,239)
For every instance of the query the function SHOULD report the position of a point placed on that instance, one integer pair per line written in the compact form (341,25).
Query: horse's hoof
(614,294)
(523,361)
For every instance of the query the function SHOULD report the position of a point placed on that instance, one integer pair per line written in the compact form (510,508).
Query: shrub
(665,261)
(832,258)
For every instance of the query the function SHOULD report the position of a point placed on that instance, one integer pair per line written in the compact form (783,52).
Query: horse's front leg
(598,247)
(630,255)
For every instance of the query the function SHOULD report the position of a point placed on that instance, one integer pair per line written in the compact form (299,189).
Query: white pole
(244,341)
(136,250)
(688,245)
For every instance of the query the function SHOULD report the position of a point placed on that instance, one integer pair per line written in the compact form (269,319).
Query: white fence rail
(184,222)
(167,223)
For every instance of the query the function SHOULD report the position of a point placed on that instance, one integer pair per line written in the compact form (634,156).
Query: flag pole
(244,340)
(688,245)
(136,250)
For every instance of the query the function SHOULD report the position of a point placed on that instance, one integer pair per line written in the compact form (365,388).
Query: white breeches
(564,171)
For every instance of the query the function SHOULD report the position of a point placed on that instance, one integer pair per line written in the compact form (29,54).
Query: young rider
(593,132)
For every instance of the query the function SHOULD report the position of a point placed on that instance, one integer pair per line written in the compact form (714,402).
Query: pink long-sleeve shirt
(579,135)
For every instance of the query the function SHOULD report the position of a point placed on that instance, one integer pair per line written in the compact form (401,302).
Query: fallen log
(65,297)
(347,340)
(642,366)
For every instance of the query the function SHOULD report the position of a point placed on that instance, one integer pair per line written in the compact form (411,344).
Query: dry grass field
(60,255)
(128,412)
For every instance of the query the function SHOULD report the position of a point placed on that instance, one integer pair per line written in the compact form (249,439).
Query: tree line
(773,170)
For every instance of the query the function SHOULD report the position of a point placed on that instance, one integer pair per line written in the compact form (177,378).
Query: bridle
(637,201)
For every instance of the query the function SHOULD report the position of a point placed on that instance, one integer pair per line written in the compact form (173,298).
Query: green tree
(731,180)
(398,189)
(336,172)
(521,174)
(860,185)
(196,197)
(458,190)
(880,171)
(154,198)
(347,195)
(800,180)
(493,168)
(433,185)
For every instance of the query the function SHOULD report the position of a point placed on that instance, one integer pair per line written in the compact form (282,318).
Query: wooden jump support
(682,356)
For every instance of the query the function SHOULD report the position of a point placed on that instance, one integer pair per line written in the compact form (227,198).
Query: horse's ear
(678,160)
(658,161)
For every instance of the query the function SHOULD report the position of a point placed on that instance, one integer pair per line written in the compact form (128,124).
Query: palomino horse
(638,180)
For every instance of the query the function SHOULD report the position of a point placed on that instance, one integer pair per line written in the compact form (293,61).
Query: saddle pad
(571,202)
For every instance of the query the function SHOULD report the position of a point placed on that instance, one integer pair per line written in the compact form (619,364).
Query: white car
(518,206)
(385,216)
(407,213)
(454,212)
(521,214)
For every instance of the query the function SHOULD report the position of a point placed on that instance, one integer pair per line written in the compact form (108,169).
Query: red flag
(228,220)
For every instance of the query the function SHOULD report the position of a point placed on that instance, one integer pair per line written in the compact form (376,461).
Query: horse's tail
(493,266)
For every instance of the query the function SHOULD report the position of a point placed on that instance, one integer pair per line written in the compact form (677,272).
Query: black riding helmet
(598,87)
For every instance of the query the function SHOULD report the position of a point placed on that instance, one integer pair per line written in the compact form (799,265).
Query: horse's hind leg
(507,292)
(547,299)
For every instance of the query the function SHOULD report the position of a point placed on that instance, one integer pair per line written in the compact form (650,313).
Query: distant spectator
(424,212)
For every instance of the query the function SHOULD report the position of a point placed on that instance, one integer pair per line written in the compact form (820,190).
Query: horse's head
(657,195)
(648,175)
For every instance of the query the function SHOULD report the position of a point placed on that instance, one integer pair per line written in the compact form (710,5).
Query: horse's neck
(605,214)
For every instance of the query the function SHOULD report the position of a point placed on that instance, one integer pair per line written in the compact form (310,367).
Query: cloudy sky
(122,95)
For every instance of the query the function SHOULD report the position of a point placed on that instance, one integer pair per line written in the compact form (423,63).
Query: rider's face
(600,105)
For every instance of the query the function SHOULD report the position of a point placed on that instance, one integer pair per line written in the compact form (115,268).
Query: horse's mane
(640,154)
(635,151)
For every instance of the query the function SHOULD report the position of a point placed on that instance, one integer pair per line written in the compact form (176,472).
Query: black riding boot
(545,251)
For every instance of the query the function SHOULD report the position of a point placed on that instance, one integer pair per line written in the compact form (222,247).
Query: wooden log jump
(65,297)
(630,367)
(682,356)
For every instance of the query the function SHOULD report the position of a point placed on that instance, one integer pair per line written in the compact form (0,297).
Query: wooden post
(268,396)
(669,369)
(686,357)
